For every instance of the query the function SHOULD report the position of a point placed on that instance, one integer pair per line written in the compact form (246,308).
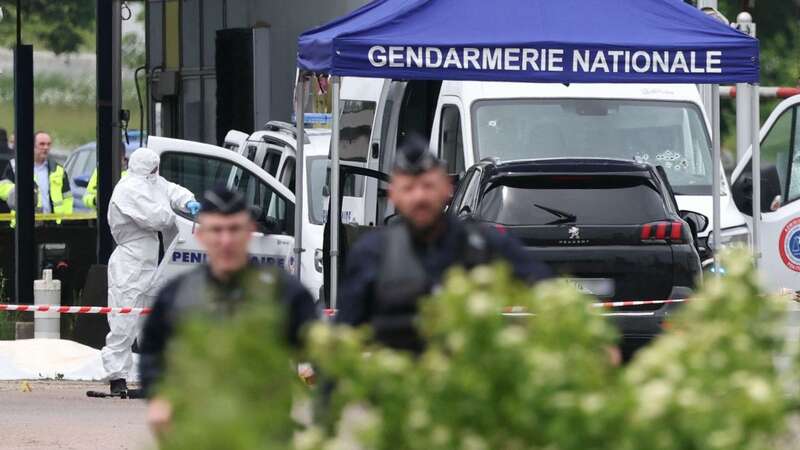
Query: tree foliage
(62,26)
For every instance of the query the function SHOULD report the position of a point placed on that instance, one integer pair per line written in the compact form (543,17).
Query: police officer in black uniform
(389,270)
(225,228)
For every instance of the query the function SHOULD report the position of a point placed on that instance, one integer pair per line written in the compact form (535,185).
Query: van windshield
(670,134)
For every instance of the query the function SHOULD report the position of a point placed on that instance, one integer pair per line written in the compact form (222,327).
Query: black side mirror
(390,219)
(697,222)
(742,190)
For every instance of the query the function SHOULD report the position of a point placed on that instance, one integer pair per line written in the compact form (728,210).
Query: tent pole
(335,215)
(716,175)
(756,145)
(300,98)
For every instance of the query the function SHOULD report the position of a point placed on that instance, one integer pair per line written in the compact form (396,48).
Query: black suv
(611,226)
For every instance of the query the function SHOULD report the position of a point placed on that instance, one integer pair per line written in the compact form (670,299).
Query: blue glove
(193,206)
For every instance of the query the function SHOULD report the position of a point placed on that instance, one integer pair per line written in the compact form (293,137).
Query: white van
(780,195)
(199,167)
(469,121)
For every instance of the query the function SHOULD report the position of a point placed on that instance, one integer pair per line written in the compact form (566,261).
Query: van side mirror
(742,190)
(697,222)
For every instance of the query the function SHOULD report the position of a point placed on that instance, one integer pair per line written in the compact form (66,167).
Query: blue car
(83,160)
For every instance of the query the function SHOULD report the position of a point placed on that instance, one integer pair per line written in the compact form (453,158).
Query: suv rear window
(587,200)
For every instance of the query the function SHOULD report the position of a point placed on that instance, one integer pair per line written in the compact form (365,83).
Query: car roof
(566,165)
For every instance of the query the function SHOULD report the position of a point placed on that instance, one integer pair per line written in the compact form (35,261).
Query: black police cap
(414,157)
(221,200)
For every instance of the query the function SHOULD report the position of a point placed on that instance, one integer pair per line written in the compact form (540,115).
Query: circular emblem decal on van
(789,244)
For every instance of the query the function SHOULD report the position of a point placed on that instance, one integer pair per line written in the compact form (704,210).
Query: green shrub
(231,382)
(486,381)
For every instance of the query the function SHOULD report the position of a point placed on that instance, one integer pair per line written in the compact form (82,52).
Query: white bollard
(47,325)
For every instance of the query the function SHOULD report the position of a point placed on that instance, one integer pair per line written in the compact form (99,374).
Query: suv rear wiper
(563,217)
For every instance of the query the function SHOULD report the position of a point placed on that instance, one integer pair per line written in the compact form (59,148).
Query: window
(451,144)
(545,200)
(670,134)
(355,130)
(251,152)
(271,162)
(458,197)
(200,173)
(781,149)
(287,177)
(794,171)
(318,193)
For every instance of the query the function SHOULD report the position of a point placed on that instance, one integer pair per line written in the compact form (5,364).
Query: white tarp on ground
(32,359)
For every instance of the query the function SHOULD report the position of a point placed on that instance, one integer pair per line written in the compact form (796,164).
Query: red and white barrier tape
(76,309)
(328,312)
(514,310)
(627,303)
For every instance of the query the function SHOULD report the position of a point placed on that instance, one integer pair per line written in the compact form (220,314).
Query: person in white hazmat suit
(142,205)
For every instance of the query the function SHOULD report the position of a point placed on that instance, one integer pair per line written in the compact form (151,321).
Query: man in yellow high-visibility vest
(90,196)
(50,178)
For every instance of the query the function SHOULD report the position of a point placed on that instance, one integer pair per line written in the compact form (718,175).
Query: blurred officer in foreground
(389,270)
(225,228)
(142,205)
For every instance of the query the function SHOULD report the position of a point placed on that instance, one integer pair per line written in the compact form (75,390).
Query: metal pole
(743,120)
(299,184)
(109,86)
(744,108)
(335,214)
(716,165)
(24,242)
(756,145)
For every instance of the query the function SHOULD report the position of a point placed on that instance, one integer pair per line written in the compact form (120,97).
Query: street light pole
(108,106)
(24,242)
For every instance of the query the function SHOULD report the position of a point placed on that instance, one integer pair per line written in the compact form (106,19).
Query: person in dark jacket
(225,227)
(389,270)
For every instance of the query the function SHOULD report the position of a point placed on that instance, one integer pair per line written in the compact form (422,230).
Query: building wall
(181,37)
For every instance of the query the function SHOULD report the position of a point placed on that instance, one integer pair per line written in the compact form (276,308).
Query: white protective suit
(142,205)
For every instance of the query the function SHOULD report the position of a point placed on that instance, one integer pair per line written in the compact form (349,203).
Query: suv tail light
(657,232)
(500,228)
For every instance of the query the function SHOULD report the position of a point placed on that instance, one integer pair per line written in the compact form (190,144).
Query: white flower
(592,403)
(479,305)
(390,362)
(483,275)
(758,390)
(320,335)
(511,336)
(653,398)
(308,439)
(456,341)
(473,442)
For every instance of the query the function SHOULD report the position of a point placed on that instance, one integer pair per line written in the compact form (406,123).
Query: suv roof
(566,165)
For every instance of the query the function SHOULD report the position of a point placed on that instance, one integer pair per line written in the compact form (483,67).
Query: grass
(64,107)
(69,126)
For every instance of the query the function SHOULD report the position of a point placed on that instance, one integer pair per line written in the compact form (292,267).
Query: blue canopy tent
(543,41)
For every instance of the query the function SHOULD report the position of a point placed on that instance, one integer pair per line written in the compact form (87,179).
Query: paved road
(57,415)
